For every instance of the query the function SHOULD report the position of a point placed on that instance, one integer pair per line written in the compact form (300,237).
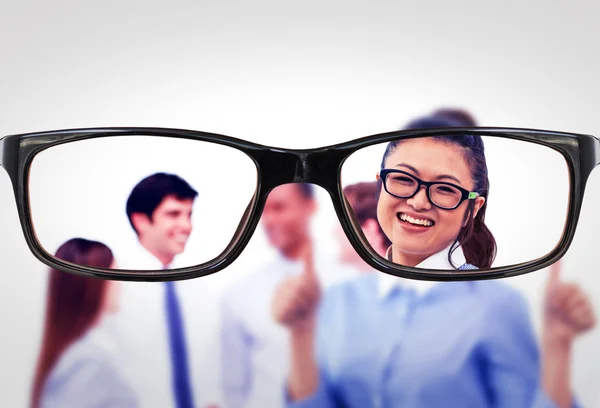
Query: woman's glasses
(446,196)
(177,204)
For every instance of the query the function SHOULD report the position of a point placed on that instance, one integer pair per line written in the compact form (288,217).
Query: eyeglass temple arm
(1,152)
(597,150)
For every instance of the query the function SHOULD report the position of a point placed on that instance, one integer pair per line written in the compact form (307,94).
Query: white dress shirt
(254,348)
(88,374)
(144,330)
(439,260)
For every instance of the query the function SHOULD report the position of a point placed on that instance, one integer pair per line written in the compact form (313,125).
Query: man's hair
(306,189)
(147,195)
(363,198)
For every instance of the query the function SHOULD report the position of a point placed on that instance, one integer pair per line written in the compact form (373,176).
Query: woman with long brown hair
(74,367)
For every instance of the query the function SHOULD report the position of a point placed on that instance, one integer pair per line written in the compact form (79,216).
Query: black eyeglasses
(177,204)
(447,196)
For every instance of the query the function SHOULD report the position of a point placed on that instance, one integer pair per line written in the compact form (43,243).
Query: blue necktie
(181,377)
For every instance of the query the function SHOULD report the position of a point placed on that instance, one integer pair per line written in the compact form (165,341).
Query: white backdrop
(302,75)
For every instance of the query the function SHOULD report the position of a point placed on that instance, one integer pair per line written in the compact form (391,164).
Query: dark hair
(461,117)
(72,306)
(476,240)
(363,199)
(307,190)
(147,195)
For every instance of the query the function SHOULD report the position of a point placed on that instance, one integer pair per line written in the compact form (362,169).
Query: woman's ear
(140,221)
(479,201)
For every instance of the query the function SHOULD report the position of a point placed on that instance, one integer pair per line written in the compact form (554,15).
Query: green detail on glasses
(473,195)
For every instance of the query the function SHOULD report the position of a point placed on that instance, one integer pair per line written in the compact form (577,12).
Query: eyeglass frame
(320,166)
(465,194)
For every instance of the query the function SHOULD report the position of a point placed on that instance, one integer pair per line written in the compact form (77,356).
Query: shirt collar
(387,282)
(290,266)
(148,261)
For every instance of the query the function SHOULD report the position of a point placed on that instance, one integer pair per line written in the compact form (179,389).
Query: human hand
(568,311)
(296,299)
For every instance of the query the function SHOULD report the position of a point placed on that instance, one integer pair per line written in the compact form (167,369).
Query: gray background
(294,75)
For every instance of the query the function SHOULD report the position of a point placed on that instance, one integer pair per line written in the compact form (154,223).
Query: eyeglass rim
(465,194)
(320,166)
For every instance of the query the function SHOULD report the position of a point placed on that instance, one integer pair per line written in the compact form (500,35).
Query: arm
(304,373)
(556,371)
(296,305)
(236,372)
(88,383)
(515,370)
(307,386)
(568,313)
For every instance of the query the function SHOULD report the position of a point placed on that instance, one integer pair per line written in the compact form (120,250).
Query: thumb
(555,272)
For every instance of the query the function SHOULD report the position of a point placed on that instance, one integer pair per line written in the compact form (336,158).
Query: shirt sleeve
(542,400)
(514,369)
(235,357)
(320,399)
(87,383)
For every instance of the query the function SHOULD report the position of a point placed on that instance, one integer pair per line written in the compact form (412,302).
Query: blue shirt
(254,347)
(460,344)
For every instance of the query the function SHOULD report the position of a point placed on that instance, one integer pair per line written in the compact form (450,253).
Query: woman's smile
(415,220)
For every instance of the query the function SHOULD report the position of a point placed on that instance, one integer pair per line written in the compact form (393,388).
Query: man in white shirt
(254,347)
(156,321)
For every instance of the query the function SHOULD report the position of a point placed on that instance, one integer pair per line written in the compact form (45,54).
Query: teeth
(407,218)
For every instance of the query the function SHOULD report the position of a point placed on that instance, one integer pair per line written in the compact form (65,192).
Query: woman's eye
(403,179)
(447,190)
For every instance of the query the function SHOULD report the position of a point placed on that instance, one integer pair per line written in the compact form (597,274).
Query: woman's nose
(420,201)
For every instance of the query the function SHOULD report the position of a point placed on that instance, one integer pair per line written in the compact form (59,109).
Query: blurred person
(159,321)
(77,365)
(253,347)
(377,340)
(568,312)
(159,210)
(362,197)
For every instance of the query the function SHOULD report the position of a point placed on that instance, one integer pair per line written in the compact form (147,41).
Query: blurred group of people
(308,329)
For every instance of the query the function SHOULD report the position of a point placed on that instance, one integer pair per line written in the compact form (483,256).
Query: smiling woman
(423,218)
(434,192)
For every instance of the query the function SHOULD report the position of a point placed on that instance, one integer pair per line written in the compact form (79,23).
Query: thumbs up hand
(568,311)
(296,299)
